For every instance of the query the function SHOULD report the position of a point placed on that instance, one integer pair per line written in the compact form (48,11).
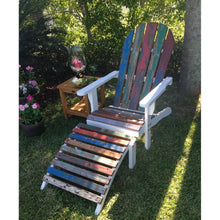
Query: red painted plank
(85,163)
(142,64)
(100,136)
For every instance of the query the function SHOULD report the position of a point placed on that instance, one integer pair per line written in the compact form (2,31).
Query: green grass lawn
(165,183)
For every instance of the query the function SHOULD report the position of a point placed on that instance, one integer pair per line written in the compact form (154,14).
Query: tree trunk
(190,76)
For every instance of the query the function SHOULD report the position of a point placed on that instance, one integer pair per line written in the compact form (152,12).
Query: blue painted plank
(97,142)
(74,179)
(123,68)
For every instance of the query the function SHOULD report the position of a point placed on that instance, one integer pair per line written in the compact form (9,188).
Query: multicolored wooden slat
(89,156)
(115,122)
(142,64)
(93,148)
(132,64)
(75,179)
(73,189)
(97,142)
(123,67)
(164,59)
(84,163)
(103,137)
(161,33)
(104,131)
(79,171)
(118,116)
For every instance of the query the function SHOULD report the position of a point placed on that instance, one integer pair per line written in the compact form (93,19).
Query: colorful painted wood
(86,165)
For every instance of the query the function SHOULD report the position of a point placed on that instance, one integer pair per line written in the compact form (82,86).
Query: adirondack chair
(89,159)
(140,81)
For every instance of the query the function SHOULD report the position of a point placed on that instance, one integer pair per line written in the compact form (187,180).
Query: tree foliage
(100,27)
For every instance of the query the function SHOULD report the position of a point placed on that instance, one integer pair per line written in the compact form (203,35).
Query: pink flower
(37,105)
(29,68)
(21,107)
(34,106)
(19,66)
(26,105)
(29,98)
(19,118)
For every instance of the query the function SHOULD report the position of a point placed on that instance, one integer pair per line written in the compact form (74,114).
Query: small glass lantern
(77,63)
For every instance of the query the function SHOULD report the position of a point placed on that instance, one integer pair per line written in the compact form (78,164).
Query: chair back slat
(123,68)
(132,65)
(165,57)
(145,64)
(142,64)
(161,33)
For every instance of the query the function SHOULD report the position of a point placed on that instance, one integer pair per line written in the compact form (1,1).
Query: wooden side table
(81,108)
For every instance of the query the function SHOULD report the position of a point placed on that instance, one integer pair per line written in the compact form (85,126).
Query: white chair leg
(147,138)
(132,156)
(43,185)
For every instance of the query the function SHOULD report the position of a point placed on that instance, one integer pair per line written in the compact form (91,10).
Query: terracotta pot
(33,130)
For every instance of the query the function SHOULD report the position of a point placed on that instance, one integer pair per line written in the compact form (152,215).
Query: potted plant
(31,119)
(27,84)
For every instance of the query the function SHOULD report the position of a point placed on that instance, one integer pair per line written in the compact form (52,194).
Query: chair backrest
(143,63)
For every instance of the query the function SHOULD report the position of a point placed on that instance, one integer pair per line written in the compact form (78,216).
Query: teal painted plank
(142,64)
(97,142)
(82,172)
(77,180)
(162,29)
(90,156)
(132,64)
(123,67)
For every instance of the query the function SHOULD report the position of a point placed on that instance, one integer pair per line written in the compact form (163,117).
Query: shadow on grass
(143,192)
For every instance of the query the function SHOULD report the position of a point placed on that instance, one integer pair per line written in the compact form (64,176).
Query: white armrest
(155,93)
(97,83)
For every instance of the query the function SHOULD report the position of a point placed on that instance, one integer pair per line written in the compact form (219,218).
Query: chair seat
(118,117)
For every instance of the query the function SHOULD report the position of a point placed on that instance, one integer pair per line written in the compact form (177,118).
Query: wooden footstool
(88,162)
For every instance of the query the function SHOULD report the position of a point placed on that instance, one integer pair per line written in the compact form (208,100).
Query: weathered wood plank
(100,136)
(142,64)
(162,29)
(127,112)
(82,172)
(123,68)
(118,116)
(90,156)
(97,142)
(77,180)
(85,163)
(132,64)
(164,59)
(92,148)
(114,122)
(104,131)
(73,189)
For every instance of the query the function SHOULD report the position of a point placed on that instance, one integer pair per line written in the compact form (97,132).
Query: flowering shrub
(28,84)
(30,113)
